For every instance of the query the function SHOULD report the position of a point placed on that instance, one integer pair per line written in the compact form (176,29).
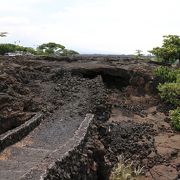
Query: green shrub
(6,48)
(175,118)
(178,78)
(11,48)
(170,92)
(29,50)
(169,52)
(166,74)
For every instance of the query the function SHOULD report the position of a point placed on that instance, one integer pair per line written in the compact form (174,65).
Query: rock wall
(85,161)
(15,135)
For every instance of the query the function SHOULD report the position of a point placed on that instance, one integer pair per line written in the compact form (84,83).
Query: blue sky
(90,26)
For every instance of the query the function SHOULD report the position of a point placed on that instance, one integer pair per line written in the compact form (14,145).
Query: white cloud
(13,21)
(115,26)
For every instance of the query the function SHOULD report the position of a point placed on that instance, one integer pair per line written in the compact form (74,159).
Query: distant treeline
(50,48)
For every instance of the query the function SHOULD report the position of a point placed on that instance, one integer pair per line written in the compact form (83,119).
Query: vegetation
(67,52)
(124,171)
(12,48)
(3,34)
(175,118)
(166,74)
(52,48)
(170,50)
(44,49)
(138,54)
(169,87)
(169,90)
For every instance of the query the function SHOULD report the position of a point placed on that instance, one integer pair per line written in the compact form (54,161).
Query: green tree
(138,54)
(6,48)
(49,48)
(52,48)
(67,52)
(29,50)
(170,50)
(3,34)
(11,48)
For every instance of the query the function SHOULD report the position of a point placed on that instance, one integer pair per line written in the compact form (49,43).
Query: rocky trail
(93,109)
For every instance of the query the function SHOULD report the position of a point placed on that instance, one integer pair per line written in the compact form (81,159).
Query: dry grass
(125,171)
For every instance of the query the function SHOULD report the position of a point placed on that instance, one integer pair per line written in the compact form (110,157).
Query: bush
(175,118)
(11,48)
(170,92)
(124,170)
(29,50)
(6,48)
(178,78)
(169,52)
(166,74)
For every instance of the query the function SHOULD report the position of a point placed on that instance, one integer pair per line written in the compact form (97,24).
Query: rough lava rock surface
(129,118)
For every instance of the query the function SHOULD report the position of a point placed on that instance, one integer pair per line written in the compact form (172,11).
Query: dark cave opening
(110,81)
(114,82)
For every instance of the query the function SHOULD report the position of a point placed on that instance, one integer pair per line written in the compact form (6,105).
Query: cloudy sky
(90,26)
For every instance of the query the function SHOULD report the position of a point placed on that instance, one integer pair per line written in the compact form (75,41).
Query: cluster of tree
(50,48)
(12,48)
(44,49)
(170,50)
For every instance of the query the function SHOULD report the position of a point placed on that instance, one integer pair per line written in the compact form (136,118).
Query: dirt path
(64,99)
(52,133)
(17,159)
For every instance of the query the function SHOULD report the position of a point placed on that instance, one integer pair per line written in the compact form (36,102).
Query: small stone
(153,154)
(90,153)
(57,89)
(174,152)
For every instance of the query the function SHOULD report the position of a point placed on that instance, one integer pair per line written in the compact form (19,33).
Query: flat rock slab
(161,172)
(169,140)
